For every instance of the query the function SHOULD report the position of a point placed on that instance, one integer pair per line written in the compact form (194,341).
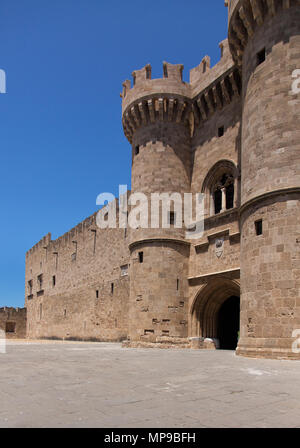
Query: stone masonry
(232,134)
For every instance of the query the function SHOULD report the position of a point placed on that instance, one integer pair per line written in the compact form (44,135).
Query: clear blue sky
(61,137)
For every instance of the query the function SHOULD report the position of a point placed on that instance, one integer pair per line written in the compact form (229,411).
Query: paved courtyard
(102,385)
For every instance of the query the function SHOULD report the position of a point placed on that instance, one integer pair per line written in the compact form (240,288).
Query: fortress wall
(202,76)
(83,261)
(13,322)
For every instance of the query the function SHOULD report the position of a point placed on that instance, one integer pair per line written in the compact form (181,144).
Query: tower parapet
(151,100)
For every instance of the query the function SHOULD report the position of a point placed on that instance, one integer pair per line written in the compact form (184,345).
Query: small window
(218,201)
(112,288)
(53,281)
(30,285)
(141,257)
(40,281)
(124,270)
(221,131)
(172,217)
(259,227)
(177,286)
(137,150)
(261,56)
(97,294)
(65,313)
(230,197)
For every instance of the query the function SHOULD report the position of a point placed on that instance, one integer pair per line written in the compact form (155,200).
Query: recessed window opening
(172,217)
(221,131)
(224,194)
(218,201)
(112,288)
(261,56)
(141,257)
(229,196)
(53,281)
(30,285)
(137,150)
(40,282)
(259,227)
(97,294)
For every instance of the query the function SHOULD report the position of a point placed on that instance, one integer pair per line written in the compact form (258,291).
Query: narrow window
(137,150)
(94,240)
(74,255)
(124,270)
(141,257)
(221,131)
(177,284)
(30,285)
(40,282)
(112,287)
(218,201)
(97,294)
(261,56)
(172,217)
(229,196)
(65,313)
(259,227)
(53,281)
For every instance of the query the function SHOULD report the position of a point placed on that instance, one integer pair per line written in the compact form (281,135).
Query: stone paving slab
(71,384)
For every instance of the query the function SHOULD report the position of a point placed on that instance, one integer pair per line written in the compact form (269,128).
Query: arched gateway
(215,314)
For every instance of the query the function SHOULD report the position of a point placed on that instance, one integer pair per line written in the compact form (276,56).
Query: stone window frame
(212,183)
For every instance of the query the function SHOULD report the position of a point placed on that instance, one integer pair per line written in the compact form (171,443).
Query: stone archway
(215,313)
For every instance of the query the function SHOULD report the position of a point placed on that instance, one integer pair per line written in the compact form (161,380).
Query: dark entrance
(229,323)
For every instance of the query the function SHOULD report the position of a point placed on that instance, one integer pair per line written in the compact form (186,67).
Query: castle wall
(81,303)
(13,322)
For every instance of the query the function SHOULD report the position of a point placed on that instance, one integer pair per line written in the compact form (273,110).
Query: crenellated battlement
(87,225)
(170,99)
(11,311)
(204,75)
(44,242)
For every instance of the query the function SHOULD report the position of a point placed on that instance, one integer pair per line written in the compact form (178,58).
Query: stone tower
(264,38)
(156,123)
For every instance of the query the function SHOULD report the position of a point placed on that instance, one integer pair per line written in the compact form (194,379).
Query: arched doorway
(229,323)
(215,313)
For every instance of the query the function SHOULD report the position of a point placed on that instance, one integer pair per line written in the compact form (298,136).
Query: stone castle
(231,133)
